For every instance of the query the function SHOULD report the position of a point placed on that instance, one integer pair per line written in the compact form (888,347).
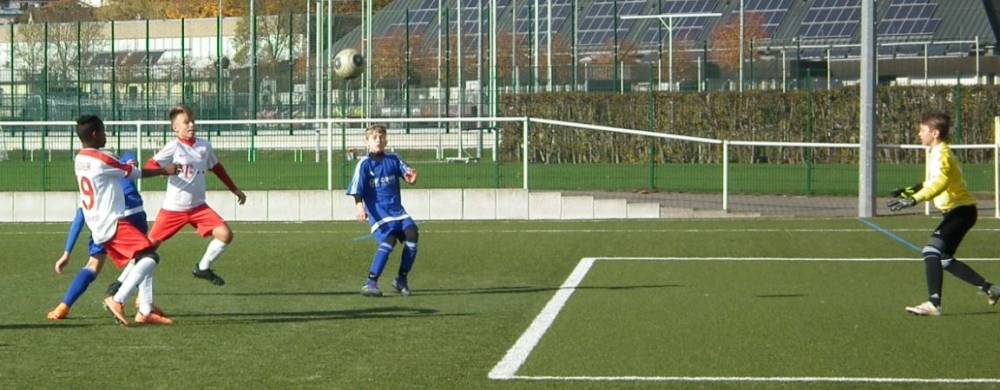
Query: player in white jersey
(102,199)
(184,202)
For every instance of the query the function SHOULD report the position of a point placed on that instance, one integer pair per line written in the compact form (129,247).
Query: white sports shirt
(98,175)
(186,190)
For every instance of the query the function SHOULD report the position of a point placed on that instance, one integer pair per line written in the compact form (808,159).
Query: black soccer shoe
(208,275)
(113,289)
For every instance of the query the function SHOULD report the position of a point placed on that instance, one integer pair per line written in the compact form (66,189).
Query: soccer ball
(348,64)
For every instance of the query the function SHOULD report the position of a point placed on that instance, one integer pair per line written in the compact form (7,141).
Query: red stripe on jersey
(94,153)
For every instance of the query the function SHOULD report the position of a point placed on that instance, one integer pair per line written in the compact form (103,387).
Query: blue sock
(79,286)
(378,261)
(409,256)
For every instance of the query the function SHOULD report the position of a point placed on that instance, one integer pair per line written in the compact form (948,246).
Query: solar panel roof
(831,19)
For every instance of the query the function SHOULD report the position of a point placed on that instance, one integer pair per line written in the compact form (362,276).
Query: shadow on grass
(528,289)
(782,296)
(975,313)
(424,292)
(305,316)
(60,325)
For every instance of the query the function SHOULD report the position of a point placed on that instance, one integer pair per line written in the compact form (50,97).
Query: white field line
(563,231)
(517,354)
(507,368)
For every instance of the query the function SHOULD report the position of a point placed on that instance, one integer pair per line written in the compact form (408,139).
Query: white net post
(3,145)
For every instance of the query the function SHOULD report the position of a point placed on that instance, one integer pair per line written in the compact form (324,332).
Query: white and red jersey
(186,190)
(98,175)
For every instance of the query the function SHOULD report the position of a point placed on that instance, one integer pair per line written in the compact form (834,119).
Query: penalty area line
(803,379)
(518,354)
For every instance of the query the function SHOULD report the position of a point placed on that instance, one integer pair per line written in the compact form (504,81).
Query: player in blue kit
(375,187)
(136,215)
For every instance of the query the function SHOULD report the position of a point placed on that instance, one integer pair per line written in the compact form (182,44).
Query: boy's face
(100,139)
(376,142)
(927,136)
(183,126)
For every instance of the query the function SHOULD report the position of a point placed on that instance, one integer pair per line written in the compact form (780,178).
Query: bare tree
(58,38)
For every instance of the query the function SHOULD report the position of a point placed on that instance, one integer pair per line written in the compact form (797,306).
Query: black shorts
(953,228)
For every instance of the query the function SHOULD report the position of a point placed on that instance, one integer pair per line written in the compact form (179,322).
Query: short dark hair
(87,125)
(177,110)
(937,120)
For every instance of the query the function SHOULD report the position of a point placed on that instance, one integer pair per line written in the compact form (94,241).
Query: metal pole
(309,68)
(459,79)
(866,184)
(494,83)
(670,52)
(513,44)
(548,40)
(742,32)
(218,60)
(318,74)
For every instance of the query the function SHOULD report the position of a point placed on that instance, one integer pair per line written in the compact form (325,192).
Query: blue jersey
(376,181)
(133,212)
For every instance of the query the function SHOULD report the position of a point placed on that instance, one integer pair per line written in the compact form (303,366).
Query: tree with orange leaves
(603,63)
(725,40)
(390,56)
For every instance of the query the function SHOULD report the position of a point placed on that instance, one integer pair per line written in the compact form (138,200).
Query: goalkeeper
(946,187)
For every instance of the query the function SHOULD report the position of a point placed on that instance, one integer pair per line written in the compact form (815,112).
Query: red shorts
(127,242)
(168,223)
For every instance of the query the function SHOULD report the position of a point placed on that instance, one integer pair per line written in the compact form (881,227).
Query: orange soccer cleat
(117,310)
(59,312)
(152,319)
(156,309)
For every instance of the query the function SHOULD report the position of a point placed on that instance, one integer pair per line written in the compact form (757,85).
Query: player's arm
(221,173)
(409,174)
(153,168)
(74,232)
(356,189)
(163,159)
(361,214)
(937,182)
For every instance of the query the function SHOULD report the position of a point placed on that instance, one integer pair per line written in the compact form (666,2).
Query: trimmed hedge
(799,116)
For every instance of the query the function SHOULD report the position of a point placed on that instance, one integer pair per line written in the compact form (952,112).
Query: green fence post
(114,78)
(11,90)
(146,82)
(343,132)
(809,151)
(958,108)
(291,77)
(652,128)
(79,67)
(406,73)
(183,65)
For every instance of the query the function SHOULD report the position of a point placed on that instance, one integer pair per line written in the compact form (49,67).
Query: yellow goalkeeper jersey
(945,183)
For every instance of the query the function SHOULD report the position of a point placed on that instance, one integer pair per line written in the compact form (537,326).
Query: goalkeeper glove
(899,204)
(906,192)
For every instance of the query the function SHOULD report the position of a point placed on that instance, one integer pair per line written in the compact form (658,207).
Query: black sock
(966,273)
(935,277)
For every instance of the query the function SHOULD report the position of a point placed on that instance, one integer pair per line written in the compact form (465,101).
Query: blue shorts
(393,229)
(138,220)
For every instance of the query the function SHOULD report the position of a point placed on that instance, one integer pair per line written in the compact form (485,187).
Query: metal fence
(136,70)
(309,154)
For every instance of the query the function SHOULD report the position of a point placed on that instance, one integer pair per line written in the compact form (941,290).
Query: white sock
(215,249)
(146,295)
(144,267)
(126,270)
